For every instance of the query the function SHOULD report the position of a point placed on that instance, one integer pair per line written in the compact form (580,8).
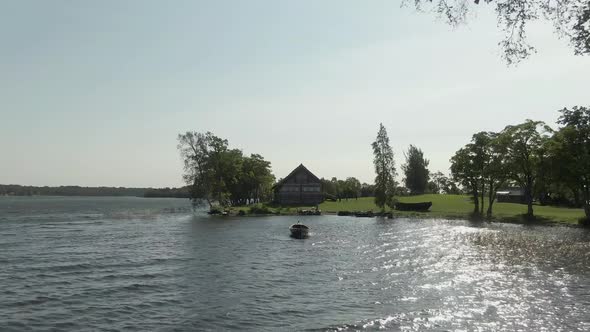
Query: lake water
(137,264)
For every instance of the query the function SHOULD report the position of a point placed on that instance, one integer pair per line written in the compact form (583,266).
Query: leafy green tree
(564,184)
(487,166)
(194,150)
(496,169)
(352,187)
(216,173)
(337,186)
(225,165)
(349,188)
(384,169)
(442,184)
(342,191)
(570,148)
(416,171)
(328,188)
(571,19)
(367,190)
(469,166)
(255,182)
(480,146)
(525,155)
(467,172)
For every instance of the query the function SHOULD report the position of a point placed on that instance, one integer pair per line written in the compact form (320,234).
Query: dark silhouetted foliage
(571,19)
(384,169)
(416,171)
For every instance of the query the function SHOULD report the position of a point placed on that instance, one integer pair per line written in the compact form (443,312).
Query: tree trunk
(528,194)
(483,192)
(576,194)
(491,197)
(475,201)
(586,192)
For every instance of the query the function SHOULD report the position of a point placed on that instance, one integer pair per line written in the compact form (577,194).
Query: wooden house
(300,187)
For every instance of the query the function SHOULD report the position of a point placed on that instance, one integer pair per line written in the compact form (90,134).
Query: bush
(584,221)
(259,209)
(241,213)
(215,210)
(365,214)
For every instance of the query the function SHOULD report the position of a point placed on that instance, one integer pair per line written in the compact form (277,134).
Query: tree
(525,155)
(570,149)
(329,189)
(216,173)
(255,182)
(441,184)
(571,19)
(349,188)
(352,187)
(224,165)
(465,170)
(565,182)
(367,190)
(495,171)
(416,171)
(194,150)
(481,147)
(469,167)
(384,169)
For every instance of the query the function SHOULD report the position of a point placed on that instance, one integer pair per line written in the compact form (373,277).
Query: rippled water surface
(152,264)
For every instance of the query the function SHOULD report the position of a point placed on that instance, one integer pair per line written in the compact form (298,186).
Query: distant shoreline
(19,190)
(451,207)
(89,196)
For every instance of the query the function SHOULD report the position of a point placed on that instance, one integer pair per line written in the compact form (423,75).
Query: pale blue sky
(95,93)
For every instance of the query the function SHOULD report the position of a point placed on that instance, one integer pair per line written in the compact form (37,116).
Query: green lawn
(459,206)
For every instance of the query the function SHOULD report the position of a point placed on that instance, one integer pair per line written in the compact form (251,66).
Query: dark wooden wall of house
(300,188)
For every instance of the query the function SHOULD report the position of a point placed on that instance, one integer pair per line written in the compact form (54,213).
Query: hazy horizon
(95,94)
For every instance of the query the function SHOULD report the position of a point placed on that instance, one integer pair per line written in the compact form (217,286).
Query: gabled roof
(293,172)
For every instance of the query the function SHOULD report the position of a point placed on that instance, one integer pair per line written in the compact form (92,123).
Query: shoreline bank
(519,220)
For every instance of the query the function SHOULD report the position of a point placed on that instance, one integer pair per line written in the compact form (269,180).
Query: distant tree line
(551,166)
(220,175)
(18,190)
(182,192)
(335,189)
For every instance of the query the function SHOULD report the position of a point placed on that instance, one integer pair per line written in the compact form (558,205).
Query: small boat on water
(299,231)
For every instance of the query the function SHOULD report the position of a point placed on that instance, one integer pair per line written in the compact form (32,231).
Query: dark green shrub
(259,209)
(215,210)
(585,221)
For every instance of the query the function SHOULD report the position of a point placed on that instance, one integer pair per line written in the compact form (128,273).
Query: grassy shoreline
(443,206)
